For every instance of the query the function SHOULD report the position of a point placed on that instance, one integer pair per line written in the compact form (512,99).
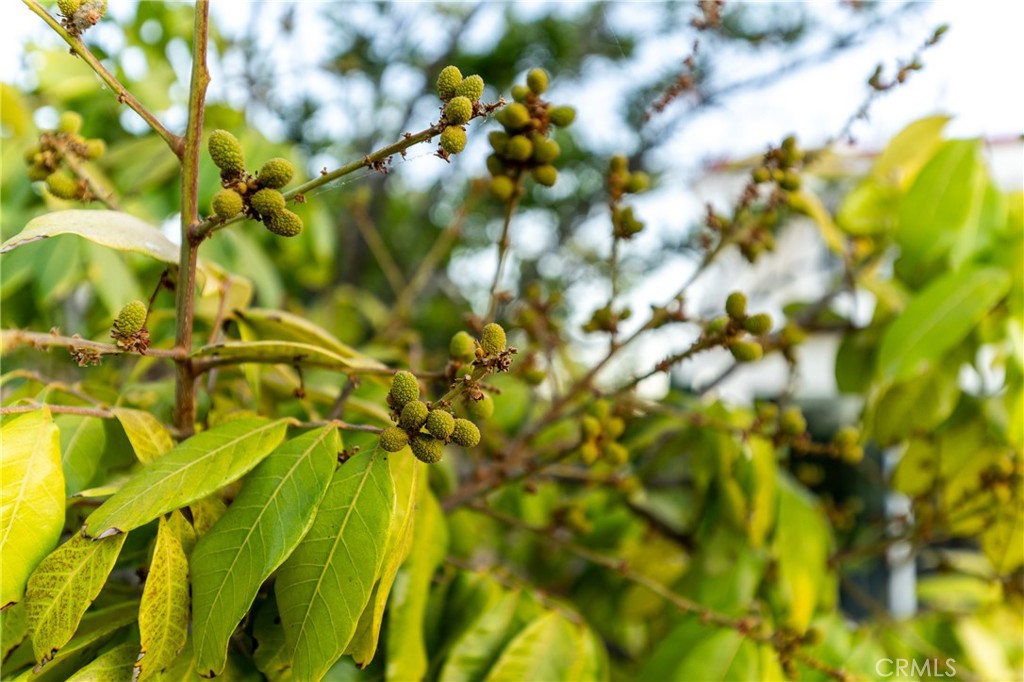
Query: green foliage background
(722,549)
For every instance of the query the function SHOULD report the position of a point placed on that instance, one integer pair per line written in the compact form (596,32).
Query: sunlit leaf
(63,586)
(113,665)
(271,514)
(114,229)
(163,613)
(326,583)
(474,653)
(939,318)
(547,649)
(147,435)
(191,471)
(31,498)
(82,440)
(282,325)
(801,545)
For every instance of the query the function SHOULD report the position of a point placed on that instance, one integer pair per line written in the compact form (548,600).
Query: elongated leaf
(163,613)
(82,440)
(283,352)
(96,628)
(407,654)
(282,325)
(801,546)
(117,230)
(943,201)
(192,470)
(113,665)
(63,586)
(326,583)
(31,498)
(809,203)
(274,510)
(405,472)
(271,656)
(693,651)
(13,628)
(478,648)
(938,319)
(147,435)
(544,650)
(909,150)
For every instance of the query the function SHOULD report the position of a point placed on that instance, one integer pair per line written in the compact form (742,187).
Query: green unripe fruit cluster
(94,149)
(453,139)
(562,117)
(625,224)
(493,339)
(285,223)
(414,415)
(458,110)
(404,389)
(226,204)
(502,188)
(63,186)
(545,150)
(440,424)
(758,324)
(70,123)
(448,82)
(393,439)
(537,81)
(131,319)
(68,7)
(226,152)
(275,173)
(471,87)
(480,409)
(267,203)
(465,433)
(745,350)
(519,148)
(546,175)
(462,346)
(792,422)
(426,448)
(515,116)
(736,305)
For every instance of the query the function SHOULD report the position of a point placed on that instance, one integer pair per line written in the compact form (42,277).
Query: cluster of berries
(462,100)
(524,144)
(621,182)
(45,160)
(600,428)
(256,196)
(129,328)
(80,15)
(734,323)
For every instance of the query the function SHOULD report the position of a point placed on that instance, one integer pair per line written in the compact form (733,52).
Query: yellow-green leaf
(163,613)
(82,440)
(545,650)
(285,326)
(63,586)
(13,628)
(114,229)
(406,649)
(405,472)
(909,150)
(113,665)
(272,513)
(147,435)
(809,203)
(326,583)
(801,547)
(283,352)
(191,471)
(31,498)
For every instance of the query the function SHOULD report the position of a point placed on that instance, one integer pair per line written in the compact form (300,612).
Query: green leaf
(282,352)
(545,650)
(939,318)
(405,472)
(82,440)
(271,656)
(114,229)
(406,652)
(326,583)
(112,278)
(943,202)
(914,406)
(13,628)
(759,481)
(809,203)
(478,648)
(113,665)
(801,548)
(63,586)
(95,629)
(696,651)
(191,471)
(32,494)
(281,325)
(905,155)
(147,435)
(272,513)
(163,613)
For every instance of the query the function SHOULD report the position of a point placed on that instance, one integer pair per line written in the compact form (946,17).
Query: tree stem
(185,395)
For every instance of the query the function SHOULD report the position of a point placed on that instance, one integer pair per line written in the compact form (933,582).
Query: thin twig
(11,338)
(175,142)
(61,409)
(371,235)
(503,246)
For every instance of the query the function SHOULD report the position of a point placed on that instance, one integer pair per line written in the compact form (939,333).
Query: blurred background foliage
(744,525)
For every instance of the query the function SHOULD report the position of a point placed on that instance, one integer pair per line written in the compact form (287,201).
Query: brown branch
(503,245)
(12,338)
(173,141)
(60,409)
